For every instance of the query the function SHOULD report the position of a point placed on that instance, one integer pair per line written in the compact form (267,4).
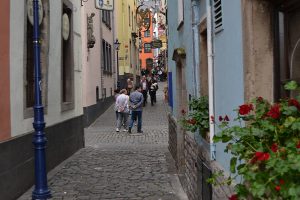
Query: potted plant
(265,149)
(198,117)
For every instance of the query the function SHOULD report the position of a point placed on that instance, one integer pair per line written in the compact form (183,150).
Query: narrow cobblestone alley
(120,165)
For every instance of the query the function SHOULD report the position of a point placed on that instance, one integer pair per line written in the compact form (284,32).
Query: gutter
(210,78)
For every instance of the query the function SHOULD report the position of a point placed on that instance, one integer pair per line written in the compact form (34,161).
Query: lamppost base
(41,195)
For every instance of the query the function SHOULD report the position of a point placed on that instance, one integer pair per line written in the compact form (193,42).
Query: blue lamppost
(41,190)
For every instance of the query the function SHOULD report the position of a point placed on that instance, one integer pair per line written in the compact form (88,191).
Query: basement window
(218,16)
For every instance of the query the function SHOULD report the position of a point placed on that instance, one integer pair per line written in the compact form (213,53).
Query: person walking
(144,85)
(122,105)
(117,93)
(129,86)
(136,100)
(152,91)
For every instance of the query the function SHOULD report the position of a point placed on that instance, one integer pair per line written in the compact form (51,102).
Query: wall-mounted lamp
(91,40)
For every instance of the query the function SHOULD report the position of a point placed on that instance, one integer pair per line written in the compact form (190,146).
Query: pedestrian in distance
(122,105)
(129,86)
(152,91)
(136,100)
(144,85)
(117,93)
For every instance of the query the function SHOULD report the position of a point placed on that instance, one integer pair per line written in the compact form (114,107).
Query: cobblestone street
(120,165)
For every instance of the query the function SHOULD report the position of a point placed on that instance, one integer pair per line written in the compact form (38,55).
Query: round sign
(65,26)
(30,11)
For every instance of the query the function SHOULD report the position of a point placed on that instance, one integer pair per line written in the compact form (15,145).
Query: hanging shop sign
(30,11)
(105,4)
(156,44)
(65,26)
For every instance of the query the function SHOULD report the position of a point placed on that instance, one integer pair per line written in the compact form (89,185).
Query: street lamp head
(117,45)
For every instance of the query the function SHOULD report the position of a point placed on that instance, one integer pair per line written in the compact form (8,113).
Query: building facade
(126,32)
(98,66)
(231,52)
(61,88)
(146,54)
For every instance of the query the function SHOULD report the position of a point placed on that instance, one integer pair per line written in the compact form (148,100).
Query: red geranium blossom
(245,109)
(220,118)
(294,102)
(277,187)
(233,197)
(274,147)
(261,156)
(274,111)
(226,118)
(183,112)
(260,99)
(281,181)
(212,118)
(298,145)
(191,121)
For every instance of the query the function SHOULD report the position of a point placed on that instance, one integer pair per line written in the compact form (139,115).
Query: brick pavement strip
(120,166)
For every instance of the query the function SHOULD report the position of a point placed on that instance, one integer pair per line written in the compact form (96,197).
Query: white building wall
(54,113)
(91,61)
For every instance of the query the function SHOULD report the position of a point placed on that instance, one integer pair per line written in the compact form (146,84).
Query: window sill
(65,106)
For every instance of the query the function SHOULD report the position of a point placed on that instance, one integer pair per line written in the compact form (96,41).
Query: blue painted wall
(180,38)
(228,68)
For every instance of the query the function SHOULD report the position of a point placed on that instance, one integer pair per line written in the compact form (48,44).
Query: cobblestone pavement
(120,165)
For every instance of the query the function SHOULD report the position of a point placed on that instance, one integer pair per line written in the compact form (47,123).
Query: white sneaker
(117,129)
(125,130)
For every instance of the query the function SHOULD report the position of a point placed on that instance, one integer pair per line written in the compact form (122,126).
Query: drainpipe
(210,78)
(196,21)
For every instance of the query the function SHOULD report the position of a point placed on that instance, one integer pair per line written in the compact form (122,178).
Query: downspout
(196,19)
(210,78)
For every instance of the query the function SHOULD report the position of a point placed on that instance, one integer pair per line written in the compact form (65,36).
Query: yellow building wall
(125,22)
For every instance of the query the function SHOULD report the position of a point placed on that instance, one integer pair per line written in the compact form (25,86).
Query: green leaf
(292,85)
(233,164)
(289,121)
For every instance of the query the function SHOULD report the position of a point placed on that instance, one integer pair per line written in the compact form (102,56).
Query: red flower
(226,118)
(298,145)
(261,156)
(220,118)
(191,121)
(212,118)
(233,197)
(183,112)
(260,99)
(277,187)
(245,109)
(274,147)
(274,111)
(294,102)
(281,181)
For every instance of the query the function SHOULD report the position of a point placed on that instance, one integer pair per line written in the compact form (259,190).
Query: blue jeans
(136,115)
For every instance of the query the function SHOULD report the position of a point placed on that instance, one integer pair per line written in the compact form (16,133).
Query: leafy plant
(198,117)
(265,149)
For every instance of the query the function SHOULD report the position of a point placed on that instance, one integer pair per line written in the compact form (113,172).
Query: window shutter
(218,17)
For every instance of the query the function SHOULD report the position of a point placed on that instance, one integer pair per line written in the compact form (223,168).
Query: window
(147,48)
(147,33)
(29,65)
(106,57)
(67,61)
(106,18)
(218,18)
(287,49)
(132,20)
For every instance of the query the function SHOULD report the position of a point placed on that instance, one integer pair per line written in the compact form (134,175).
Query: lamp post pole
(41,190)
(117,48)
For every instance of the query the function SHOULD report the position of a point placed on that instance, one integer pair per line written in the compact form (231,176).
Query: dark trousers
(136,115)
(144,92)
(152,97)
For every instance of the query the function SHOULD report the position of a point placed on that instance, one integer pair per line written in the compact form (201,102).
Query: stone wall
(198,167)
(173,138)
